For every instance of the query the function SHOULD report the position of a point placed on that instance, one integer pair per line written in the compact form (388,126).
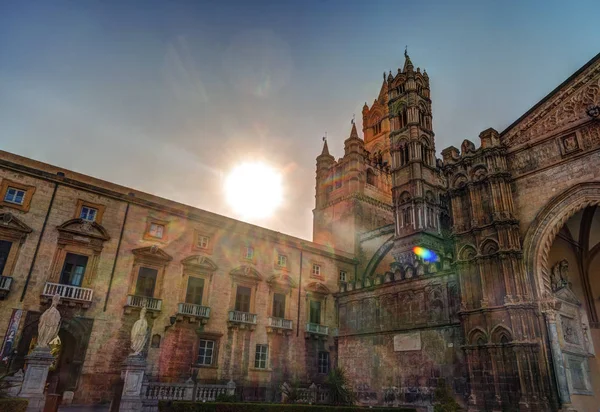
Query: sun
(254,190)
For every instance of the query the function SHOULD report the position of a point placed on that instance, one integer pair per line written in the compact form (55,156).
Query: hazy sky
(167,96)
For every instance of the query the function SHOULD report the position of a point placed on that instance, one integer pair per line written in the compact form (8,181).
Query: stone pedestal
(37,367)
(133,377)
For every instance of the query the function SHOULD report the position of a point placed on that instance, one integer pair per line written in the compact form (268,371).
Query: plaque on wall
(407,342)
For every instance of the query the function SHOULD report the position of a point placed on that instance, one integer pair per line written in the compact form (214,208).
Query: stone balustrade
(68,292)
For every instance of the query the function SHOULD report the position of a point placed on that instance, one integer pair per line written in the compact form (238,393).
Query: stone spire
(325,151)
(353,132)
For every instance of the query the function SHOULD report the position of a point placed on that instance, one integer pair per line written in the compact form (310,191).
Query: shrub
(444,401)
(223,397)
(13,405)
(340,388)
(181,406)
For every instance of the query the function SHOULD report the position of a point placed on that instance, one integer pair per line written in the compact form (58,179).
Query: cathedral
(478,272)
(480,269)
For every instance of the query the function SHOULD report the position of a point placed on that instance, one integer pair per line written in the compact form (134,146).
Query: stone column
(133,376)
(37,367)
(557,360)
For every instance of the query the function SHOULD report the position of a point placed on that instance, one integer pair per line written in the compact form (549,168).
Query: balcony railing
(317,329)
(242,317)
(280,323)
(74,293)
(141,301)
(5,283)
(190,309)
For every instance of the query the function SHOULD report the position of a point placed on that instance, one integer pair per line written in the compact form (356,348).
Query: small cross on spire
(353,116)
(405,51)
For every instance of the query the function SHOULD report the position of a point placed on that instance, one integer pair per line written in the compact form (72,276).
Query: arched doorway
(559,248)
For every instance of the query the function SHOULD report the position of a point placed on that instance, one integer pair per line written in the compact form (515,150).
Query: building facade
(479,270)
(226,300)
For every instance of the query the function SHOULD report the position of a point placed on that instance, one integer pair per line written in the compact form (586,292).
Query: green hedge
(13,405)
(179,406)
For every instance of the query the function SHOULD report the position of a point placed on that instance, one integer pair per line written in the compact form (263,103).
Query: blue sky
(168,96)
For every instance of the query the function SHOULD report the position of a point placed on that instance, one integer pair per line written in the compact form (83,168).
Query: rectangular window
(14,195)
(343,276)
(282,260)
(249,253)
(260,360)
(73,270)
(4,251)
(323,362)
(279,305)
(315,312)
(203,242)
(316,270)
(146,281)
(195,289)
(156,230)
(242,299)
(88,213)
(206,351)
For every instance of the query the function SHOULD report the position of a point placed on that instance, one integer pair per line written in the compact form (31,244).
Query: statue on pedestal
(139,334)
(49,324)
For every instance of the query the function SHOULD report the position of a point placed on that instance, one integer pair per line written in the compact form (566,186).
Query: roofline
(552,93)
(35,168)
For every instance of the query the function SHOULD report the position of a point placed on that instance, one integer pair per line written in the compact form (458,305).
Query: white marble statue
(49,324)
(139,334)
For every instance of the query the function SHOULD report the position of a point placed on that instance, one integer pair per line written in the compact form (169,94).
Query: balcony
(69,295)
(193,312)
(242,320)
(317,331)
(279,325)
(152,305)
(5,284)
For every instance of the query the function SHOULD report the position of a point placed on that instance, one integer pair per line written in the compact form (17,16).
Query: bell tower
(416,181)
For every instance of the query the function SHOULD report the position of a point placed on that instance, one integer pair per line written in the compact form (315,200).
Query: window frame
(153,221)
(279,260)
(216,338)
(318,275)
(345,275)
(245,255)
(201,244)
(29,191)
(84,203)
(323,362)
(204,286)
(258,360)
(285,304)
(212,349)
(62,271)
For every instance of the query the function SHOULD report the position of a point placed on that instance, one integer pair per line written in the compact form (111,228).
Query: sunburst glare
(254,190)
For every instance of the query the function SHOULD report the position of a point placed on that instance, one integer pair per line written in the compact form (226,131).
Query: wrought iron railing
(68,292)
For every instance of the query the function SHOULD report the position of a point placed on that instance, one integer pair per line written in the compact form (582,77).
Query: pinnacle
(325,151)
(353,133)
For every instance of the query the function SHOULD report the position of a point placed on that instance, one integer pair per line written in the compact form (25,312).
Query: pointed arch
(467,252)
(501,334)
(460,180)
(489,247)
(476,336)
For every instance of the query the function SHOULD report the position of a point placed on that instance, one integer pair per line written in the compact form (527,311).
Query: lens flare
(425,254)
(254,190)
